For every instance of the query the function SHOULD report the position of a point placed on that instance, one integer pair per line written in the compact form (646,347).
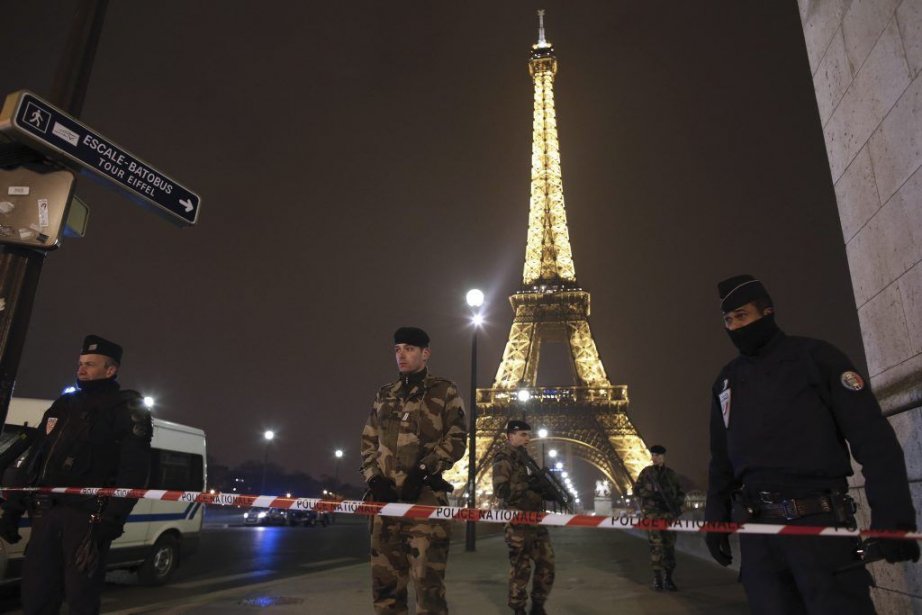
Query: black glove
(895,550)
(437,483)
(9,527)
(719,546)
(536,484)
(413,484)
(109,529)
(382,489)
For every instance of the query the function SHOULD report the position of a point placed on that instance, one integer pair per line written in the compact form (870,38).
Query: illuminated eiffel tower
(589,414)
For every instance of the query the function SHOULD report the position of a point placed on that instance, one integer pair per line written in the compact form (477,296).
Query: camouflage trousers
(401,550)
(527,544)
(662,550)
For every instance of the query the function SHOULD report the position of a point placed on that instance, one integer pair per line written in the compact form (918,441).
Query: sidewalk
(598,571)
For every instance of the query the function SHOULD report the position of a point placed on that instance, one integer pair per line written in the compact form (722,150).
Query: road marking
(331,562)
(224,579)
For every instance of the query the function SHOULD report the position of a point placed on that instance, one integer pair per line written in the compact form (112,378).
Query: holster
(744,508)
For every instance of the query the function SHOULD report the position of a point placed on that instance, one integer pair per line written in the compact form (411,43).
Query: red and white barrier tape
(455,513)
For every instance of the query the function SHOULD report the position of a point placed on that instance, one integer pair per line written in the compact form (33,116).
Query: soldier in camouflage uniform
(416,431)
(661,497)
(527,543)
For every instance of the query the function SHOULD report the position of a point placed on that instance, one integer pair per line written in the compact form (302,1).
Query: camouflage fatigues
(527,543)
(422,423)
(661,497)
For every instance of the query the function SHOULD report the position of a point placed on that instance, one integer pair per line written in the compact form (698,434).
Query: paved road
(325,570)
(234,555)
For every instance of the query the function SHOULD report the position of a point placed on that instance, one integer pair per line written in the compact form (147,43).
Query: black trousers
(49,575)
(796,575)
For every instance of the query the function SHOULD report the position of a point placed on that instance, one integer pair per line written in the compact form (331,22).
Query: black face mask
(97,386)
(751,338)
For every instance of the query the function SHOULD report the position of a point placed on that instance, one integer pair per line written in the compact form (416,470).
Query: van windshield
(11,434)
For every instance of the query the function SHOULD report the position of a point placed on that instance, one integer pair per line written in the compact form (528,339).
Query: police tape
(421,512)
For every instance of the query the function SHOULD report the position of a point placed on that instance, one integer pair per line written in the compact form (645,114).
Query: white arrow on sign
(187,204)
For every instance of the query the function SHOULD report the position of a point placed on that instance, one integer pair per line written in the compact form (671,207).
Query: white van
(158,535)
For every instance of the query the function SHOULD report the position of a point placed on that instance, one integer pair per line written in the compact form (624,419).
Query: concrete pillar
(865,57)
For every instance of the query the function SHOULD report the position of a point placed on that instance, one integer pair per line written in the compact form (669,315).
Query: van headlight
(246,515)
(261,515)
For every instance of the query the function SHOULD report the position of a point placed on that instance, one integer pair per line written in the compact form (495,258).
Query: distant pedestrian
(661,498)
(516,487)
(97,436)
(784,414)
(415,432)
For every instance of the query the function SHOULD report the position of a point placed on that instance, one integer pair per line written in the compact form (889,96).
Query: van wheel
(161,563)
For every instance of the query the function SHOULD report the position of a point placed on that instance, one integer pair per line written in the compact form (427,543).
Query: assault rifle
(549,486)
(666,499)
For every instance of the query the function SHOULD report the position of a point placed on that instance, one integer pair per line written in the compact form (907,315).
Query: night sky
(363,164)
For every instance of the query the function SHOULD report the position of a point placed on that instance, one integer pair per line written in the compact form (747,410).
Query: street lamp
(268,436)
(542,433)
(474,301)
(338,453)
(148,402)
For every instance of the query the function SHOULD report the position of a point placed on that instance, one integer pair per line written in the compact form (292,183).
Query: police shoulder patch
(852,381)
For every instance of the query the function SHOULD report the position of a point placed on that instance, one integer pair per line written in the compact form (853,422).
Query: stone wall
(865,57)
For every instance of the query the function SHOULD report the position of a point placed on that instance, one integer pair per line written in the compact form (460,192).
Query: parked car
(265,516)
(308,518)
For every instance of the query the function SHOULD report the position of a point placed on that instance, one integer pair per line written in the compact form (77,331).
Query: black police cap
(414,336)
(658,449)
(739,290)
(93,344)
(516,425)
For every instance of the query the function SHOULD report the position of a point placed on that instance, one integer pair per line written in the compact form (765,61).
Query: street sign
(27,118)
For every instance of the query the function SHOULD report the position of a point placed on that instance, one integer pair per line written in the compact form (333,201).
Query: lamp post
(542,433)
(474,300)
(268,436)
(338,453)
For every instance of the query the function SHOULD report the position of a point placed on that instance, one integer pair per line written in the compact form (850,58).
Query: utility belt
(775,507)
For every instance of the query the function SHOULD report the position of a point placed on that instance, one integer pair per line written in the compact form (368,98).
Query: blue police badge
(852,381)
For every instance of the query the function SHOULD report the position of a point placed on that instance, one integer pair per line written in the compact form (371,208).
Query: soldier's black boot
(657,581)
(537,608)
(668,584)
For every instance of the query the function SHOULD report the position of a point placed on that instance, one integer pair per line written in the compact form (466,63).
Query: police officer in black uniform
(98,436)
(781,414)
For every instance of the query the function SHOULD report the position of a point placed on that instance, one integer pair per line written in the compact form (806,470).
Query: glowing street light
(524,395)
(474,299)
(542,433)
(338,453)
(552,453)
(148,402)
(268,436)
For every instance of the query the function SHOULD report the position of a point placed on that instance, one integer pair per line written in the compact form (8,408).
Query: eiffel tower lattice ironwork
(590,414)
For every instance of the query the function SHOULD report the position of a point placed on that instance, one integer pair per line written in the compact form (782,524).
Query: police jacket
(511,480)
(412,423)
(659,491)
(98,436)
(788,415)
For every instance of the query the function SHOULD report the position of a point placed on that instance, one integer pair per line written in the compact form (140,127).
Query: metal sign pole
(20,268)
